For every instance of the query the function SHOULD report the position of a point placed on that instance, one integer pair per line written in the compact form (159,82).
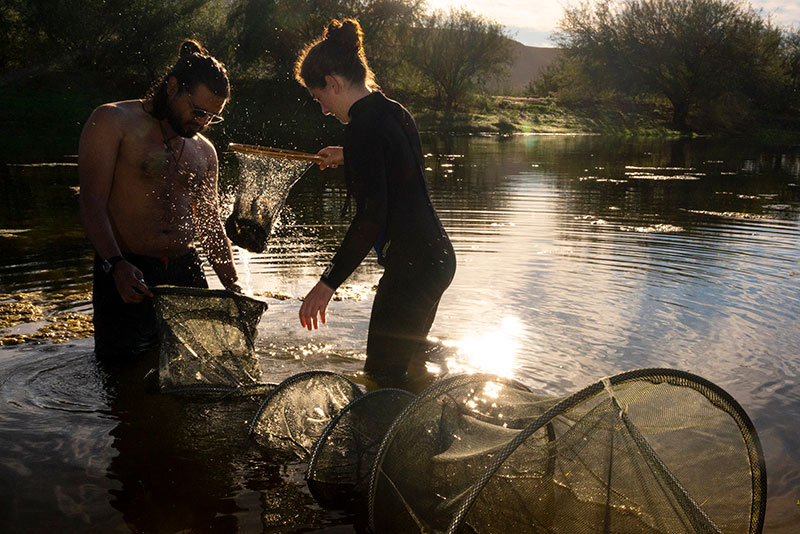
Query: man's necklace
(168,147)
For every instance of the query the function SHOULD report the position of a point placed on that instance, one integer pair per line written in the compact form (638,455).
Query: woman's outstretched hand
(315,303)
(332,156)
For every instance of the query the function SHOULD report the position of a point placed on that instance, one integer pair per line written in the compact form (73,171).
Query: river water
(578,257)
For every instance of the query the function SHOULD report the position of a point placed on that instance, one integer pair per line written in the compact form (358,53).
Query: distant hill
(529,62)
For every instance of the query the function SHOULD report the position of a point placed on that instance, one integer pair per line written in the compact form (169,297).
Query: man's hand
(332,156)
(130,282)
(315,303)
(236,287)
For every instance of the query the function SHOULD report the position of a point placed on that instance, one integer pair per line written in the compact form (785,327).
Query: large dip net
(265,177)
(651,451)
(207,339)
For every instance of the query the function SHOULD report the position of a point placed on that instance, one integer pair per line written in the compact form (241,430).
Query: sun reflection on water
(493,351)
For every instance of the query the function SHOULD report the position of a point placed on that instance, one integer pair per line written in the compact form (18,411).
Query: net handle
(274,152)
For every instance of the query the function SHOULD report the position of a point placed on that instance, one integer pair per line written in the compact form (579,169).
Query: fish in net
(651,450)
(265,177)
(207,340)
(293,416)
(341,461)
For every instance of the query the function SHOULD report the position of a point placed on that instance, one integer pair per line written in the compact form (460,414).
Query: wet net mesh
(341,461)
(207,339)
(264,184)
(293,416)
(650,451)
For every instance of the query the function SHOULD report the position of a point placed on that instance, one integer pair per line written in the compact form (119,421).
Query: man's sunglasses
(200,113)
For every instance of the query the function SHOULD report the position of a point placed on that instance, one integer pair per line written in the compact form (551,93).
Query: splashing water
(264,184)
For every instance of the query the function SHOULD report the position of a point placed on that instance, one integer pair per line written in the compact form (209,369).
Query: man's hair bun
(191,47)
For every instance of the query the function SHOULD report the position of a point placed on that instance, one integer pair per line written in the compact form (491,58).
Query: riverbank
(44,115)
(503,115)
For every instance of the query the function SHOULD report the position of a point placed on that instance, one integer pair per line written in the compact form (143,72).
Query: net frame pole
(274,152)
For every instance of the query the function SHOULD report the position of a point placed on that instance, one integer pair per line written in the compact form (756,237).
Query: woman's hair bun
(190,47)
(346,33)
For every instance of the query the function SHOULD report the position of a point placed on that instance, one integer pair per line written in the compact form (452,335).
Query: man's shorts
(121,329)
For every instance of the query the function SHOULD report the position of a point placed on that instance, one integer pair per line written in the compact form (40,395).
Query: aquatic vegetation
(651,176)
(31,307)
(14,313)
(63,327)
(732,214)
(273,295)
(656,228)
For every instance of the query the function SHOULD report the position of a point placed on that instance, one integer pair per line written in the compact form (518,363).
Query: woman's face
(331,102)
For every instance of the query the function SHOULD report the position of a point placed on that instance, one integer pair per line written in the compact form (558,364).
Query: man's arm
(98,150)
(209,225)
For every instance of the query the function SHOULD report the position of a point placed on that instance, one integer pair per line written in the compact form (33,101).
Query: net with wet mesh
(264,184)
(652,451)
(207,340)
(341,461)
(293,416)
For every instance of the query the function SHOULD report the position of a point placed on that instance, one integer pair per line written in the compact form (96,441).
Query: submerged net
(651,451)
(341,462)
(293,416)
(207,339)
(264,184)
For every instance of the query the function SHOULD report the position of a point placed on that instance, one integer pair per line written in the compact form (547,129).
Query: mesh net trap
(341,460)
(651,451)
(293,416)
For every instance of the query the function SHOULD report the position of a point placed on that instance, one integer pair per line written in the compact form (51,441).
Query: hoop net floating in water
(653,450)
(265,178)
(207,339)
(341,462)
(294,415)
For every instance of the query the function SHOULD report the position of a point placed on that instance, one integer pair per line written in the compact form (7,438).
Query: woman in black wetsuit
(384,170)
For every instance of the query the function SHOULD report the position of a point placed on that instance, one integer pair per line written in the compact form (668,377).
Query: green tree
(694,53)
(137,38)
(12,35)
(271,33)
(791,59)
(456,51)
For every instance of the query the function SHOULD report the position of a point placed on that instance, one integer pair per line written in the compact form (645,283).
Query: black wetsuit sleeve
(365,168)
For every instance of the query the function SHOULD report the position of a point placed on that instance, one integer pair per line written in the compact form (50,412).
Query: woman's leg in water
(402,315)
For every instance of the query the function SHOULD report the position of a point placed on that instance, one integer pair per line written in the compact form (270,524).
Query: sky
(531,22)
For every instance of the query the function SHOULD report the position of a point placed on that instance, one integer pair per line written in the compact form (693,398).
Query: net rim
(291,380)
(168,290)
(747,429)
(333,422)
(443,384)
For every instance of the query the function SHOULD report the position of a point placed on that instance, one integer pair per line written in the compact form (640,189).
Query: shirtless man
(148,185)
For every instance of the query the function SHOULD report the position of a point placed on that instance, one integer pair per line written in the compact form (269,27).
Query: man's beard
(183,129)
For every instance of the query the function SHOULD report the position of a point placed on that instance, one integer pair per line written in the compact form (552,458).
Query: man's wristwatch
(110,262)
